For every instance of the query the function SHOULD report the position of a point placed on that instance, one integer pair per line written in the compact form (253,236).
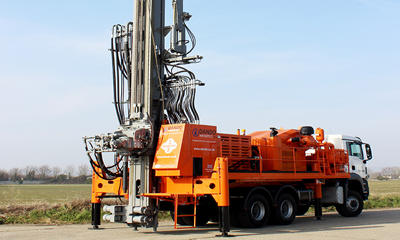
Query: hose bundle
(181,92)
(107,172)
(121,51)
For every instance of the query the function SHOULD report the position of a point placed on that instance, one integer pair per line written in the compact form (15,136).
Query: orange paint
(101,187)
(195,160)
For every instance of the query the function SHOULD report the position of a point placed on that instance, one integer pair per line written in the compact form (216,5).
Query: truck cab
(359,154)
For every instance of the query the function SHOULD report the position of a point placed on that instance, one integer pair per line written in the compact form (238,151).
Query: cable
(180,94)
(121,51)
(99,164)
(191,36)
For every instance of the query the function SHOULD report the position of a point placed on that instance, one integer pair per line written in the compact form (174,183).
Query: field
(61,204)
(31,194)
(384,188)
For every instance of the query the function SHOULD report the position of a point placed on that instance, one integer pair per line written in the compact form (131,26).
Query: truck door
(356,158)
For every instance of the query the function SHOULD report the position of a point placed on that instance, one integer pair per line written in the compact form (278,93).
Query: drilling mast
(151,86)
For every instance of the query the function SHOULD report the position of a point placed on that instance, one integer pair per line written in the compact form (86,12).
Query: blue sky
(328,64)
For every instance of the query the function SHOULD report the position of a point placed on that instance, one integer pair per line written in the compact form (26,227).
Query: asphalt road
(371,224)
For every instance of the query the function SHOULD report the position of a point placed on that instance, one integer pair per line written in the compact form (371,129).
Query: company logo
(196,132)
(173,128)
(169,146)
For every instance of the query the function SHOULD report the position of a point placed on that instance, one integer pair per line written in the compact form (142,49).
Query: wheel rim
(352,204)
(286,209)
(258,210)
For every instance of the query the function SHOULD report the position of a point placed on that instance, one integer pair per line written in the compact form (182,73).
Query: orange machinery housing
(186,150)
(195,160)
(190,160)
(190,151)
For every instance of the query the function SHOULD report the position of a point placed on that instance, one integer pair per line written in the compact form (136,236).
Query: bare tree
(390,172)
(374,175)
(30,172)
(83,170)
(15,174)
(70,171)
(385,173)
(56,171)
(44,171)
(4,176)
(395,171)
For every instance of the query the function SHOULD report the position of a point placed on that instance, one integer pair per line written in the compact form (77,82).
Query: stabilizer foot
(96,215)
(224,222)
(95,228)
(318,209)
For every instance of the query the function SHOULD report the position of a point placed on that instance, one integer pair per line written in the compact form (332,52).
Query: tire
(256,212)
(179,219)
(214,219)
(353,205)
(302,209)
(285,210)
(234,218)
(307,131)
(202,215)
(214,216)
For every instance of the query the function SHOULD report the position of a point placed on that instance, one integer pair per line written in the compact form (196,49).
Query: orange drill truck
(163,159)
(244,180)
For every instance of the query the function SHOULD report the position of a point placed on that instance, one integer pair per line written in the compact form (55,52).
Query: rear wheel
(234,218)
(286,209)
(302,209)
(353,206)
(256,212)
(214,216)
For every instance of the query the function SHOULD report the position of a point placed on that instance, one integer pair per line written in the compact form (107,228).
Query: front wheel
(353,205)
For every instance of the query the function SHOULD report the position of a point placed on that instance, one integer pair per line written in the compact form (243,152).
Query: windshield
(355,150)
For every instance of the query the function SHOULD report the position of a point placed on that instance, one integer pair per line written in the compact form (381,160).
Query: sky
(267,63)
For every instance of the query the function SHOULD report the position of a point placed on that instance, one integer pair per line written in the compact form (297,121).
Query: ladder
(192,200)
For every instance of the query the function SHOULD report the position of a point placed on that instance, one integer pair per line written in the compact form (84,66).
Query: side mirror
(368,151)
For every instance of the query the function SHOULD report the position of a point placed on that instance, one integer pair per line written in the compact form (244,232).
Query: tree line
(389,173)
(45,173)
(58,174)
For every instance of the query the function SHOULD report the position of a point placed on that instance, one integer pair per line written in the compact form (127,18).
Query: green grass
(30,194)
(391,201)
(383,194)
(77,211)
(66,204)
(45,204)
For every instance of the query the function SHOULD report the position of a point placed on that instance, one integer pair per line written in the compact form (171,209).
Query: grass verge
(76,211)
(382,201)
